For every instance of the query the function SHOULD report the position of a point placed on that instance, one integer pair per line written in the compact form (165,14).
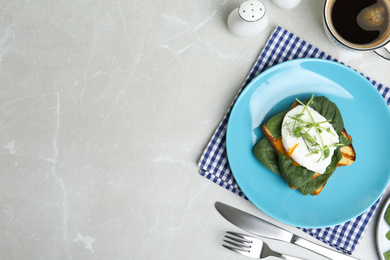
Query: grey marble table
(105,109)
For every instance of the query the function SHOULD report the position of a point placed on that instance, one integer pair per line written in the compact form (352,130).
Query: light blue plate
(352,189)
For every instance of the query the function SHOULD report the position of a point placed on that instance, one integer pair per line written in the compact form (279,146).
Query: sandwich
(306,144)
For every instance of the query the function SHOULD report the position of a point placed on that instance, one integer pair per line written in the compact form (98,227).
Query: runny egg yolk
(291,149)
(280,148)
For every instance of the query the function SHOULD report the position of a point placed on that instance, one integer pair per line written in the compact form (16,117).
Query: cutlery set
(255,248)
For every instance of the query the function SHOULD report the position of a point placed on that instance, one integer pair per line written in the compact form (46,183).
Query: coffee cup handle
(384,52)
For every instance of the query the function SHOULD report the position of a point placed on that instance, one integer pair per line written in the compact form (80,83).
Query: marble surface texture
(105,109)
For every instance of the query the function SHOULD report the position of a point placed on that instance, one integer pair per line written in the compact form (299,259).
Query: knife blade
(260,227)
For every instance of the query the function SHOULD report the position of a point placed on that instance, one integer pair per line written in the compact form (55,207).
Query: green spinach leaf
(274,125)
(317,182)
(335,160)
(387,255)
(387,215)
(388,235)
(295,176)
(344,141)
(264,152)
(329,110)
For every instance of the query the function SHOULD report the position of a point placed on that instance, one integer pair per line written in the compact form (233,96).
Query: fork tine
(240,242)
(241,246)
(239,251)
(242,236)
(248,239)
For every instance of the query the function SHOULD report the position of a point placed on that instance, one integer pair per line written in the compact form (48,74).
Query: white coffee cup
(366,28)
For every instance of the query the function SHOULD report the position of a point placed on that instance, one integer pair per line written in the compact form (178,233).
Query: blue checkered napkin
(283,46)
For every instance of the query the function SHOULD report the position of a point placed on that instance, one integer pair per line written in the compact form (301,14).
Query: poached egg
(308,138)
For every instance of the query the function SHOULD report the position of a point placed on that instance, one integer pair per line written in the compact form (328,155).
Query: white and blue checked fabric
(283,46)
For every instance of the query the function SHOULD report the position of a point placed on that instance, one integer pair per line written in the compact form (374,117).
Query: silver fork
(252,247)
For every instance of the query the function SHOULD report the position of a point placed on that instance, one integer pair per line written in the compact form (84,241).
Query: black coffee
(360,21)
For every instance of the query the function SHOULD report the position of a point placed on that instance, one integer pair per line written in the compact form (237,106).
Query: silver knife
(263,228)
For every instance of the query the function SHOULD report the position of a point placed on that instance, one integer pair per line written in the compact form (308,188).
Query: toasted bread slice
(347,152)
